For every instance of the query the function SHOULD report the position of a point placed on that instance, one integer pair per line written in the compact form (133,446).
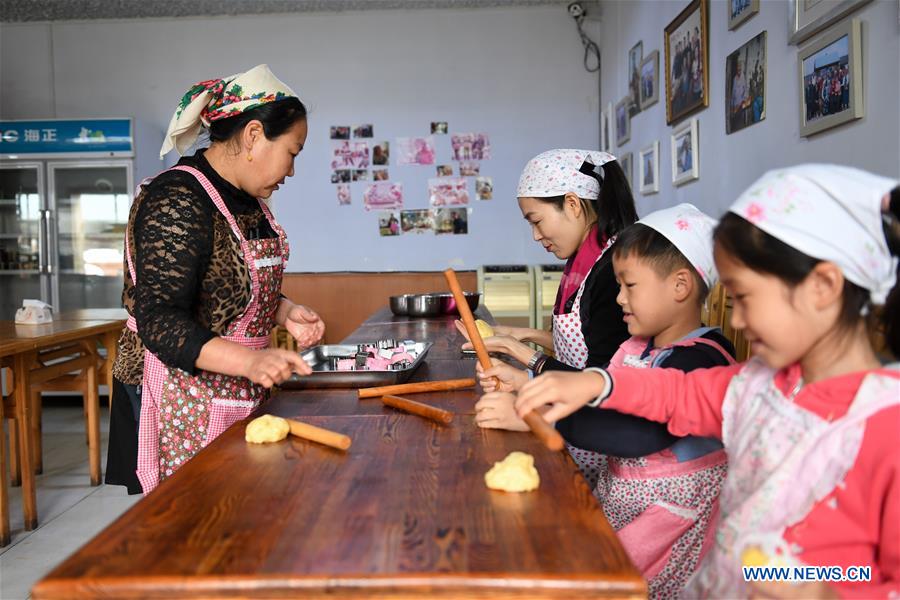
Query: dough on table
(267,428)
(484,330)
(515,473)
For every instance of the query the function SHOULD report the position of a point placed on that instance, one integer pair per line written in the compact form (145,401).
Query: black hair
(615,207)
(663,256)
(767,254)
(276,118)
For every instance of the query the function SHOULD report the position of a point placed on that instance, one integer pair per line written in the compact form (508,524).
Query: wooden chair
(72,367)
(282,339)
(716,312)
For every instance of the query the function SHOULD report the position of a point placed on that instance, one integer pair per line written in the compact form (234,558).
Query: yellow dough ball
(754,557)
(267,428)
(515,473)
(484,329)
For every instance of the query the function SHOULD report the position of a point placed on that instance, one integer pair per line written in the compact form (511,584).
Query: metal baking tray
(319,358)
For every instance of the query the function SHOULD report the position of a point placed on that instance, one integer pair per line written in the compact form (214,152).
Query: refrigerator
(65,192)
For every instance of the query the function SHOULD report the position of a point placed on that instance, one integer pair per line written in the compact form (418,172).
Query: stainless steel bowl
(400,304)
(448,302)
(423,305)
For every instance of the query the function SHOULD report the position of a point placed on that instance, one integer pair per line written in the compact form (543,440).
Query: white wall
(729,163)
(514,73)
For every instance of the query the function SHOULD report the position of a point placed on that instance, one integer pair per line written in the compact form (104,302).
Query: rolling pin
(548,435)
(416,388)
(417,408)
(317,434)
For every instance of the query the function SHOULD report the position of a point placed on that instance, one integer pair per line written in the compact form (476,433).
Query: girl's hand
(305,325)
(495,411)
(501,377)
(815,590)
(273,365)
(564,392)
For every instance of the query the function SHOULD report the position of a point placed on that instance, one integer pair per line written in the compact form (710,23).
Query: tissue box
(34,312)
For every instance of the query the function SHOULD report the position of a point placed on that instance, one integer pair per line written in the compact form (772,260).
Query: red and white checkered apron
(570,348)
(182,413)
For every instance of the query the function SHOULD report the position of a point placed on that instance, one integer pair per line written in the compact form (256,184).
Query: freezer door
(89,210)
(23,236)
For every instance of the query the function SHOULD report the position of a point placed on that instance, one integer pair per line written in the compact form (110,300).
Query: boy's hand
(495,411)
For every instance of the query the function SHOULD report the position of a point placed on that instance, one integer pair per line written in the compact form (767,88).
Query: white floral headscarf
(216,99)
(558,172)
(689,230)
(828,212)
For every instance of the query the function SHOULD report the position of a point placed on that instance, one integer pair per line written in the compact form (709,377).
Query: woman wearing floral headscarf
(205,259)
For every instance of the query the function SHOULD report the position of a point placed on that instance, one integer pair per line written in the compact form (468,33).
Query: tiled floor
(70,511)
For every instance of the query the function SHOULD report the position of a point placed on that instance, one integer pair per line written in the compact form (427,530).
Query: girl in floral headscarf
(811,423)
(205,259)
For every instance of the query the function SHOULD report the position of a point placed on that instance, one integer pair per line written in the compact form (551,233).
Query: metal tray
(319,358)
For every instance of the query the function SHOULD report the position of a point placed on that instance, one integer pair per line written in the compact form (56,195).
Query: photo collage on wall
(358,157)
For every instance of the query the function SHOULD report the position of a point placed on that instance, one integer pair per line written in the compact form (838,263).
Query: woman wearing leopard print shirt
(204,261)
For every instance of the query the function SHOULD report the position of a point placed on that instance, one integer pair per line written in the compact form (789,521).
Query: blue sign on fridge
(66,137)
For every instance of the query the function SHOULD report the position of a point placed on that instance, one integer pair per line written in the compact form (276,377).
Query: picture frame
(650,80)
(686,152)
(833,61)
(648,169)
(635,58)
(623,121)
(745,84)
(606,133)
(740,11)
(625,162)
(806,18)
(687,61)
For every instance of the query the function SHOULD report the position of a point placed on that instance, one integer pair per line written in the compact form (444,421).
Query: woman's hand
(517,333)
(501,377)
(273,365)
(563,392)
(305,325)
(495,411)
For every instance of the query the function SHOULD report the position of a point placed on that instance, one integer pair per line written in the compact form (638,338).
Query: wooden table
(19,345)
(403,514)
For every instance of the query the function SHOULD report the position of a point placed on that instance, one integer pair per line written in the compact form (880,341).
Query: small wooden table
(404,513)
(19,345)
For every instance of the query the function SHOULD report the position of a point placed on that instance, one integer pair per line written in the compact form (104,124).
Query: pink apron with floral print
(570,348)
(182,413)
(662,505)
(783,459)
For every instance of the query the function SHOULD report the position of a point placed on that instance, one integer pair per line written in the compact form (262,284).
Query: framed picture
(605,128)
(745,85)
(648,169)
(831,86)
(686,152)
(741,10)
(650,80)
(687,61)
(635,58)
(808,17)
(623,121)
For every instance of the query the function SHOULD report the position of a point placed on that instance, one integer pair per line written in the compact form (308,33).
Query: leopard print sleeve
(173,243)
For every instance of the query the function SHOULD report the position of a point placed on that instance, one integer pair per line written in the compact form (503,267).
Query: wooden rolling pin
(417,408)
(317,434)
(416,388)
(548,435)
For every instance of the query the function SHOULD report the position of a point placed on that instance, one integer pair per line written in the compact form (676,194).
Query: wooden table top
(403,513)
(16,337)
(93,314)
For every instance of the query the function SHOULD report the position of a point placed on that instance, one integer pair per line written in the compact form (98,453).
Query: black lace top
(192,279)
